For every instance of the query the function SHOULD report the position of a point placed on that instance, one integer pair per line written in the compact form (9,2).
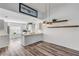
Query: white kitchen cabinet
(4,41)
(32,38)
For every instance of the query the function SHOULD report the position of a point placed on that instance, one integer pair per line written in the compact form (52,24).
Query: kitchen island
(30,38)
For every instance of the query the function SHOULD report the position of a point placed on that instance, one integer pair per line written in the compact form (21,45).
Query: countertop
(35,33)
(3,33)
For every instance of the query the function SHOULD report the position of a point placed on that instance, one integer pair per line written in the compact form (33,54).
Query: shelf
(68,26)
(60,21)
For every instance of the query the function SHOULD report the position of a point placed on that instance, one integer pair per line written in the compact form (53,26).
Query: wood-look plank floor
(38,49)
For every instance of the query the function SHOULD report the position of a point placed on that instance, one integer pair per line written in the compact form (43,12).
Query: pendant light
(48,10)
(48,14)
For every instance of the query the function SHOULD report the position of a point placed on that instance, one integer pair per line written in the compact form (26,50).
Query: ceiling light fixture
(48,10)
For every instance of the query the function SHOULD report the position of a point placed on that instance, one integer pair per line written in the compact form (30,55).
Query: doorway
(15,32)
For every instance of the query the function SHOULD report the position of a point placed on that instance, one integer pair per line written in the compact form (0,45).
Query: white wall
(68,37)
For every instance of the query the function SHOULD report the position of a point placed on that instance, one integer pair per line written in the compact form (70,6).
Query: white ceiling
(38,6)
(45,8)
(10,16)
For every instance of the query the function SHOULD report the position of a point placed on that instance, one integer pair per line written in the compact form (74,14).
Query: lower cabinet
(4,41)
(30,39)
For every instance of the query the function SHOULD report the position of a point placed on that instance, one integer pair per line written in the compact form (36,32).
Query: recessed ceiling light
(6,16)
